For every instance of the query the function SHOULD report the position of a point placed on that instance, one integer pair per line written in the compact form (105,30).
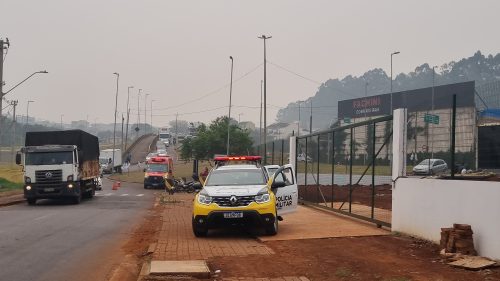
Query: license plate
(233,215)
(49,189)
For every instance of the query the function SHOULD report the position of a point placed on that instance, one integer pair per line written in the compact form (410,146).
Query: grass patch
(6,185)
(135,177)
(11,178)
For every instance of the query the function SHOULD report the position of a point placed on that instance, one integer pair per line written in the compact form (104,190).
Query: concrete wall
(422,206)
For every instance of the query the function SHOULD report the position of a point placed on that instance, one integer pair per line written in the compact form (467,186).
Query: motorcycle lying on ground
(189,187)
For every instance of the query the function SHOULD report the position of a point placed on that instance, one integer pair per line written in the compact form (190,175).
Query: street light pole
(260,117)
(62,115)
(230,96)
(27,113)
(145,111)
(298,126)
(264,37)
(4,45)
(128,116)
(138,113)
(311,119)
(151,118)
(432,109)
(392,54)
(114,127)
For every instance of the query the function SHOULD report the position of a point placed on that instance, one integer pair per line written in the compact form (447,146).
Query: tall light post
(392,54)
(260,117)
(138,113)
(311,119)
(230,95)
(145,111)
(114,127)
(128,115)
(151,112)
(264,37)
(62,115)
(27,112)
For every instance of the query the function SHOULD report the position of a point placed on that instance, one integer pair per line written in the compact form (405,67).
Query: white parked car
(436,166)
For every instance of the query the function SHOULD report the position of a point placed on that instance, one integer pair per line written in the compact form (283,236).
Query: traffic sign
(431,118)
(347,120)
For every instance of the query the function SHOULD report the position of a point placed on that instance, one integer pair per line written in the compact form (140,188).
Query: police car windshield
(236,177)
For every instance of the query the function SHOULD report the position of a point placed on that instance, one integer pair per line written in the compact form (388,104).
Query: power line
(213,92)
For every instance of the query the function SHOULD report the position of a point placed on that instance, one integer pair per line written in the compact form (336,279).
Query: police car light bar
(237,158)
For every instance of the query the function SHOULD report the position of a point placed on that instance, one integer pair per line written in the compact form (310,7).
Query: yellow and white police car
(239,191)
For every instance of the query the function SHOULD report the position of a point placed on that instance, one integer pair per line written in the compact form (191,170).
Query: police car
(239,191)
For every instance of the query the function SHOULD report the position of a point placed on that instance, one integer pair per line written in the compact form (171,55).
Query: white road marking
(108,194)
(126,194)
(139,195)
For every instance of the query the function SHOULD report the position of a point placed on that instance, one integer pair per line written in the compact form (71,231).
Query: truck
(106,161)
(164,135)
(59,165)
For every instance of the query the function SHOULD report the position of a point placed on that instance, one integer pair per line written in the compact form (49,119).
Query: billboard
(414,100)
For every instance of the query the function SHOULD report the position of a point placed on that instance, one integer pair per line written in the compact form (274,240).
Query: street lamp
(392,54)
(264,37)
(27,113)
(145,111)
(230,94)
(114,127)
(138,113)
(128,115)
(151,118)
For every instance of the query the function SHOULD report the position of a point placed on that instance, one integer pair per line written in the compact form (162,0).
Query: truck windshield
(236,177)
(161,168)
(49,158)
(164,136)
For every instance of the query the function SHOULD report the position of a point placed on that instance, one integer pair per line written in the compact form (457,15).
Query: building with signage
(429,117)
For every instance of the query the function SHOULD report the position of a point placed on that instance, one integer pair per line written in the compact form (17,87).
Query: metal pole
(393,53)
(128,116)
(432,125)
(298,125)
(373,168)
(453,127)
(264,37)
(151,118)
(333,165)
(350,169)
(311,119)
(260,121)
(230,95)
(114,126)
(145,112)
(61,121)
(123,122)
(2,47)
(13,140)
(138,113)
(27,112)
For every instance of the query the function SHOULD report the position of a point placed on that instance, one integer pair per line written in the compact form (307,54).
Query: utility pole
(230,95)
(311,119)
(151,118)
(4,45)
(176,115)
(138,113)
(123,122)
(128,116)
(264,37)
(260,122)
(13,139)
(145,111)
(61,121)
(114,127)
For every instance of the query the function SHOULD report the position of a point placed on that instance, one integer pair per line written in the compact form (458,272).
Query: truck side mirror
(18,158)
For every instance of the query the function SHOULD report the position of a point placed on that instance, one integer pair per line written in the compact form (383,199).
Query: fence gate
(347,169)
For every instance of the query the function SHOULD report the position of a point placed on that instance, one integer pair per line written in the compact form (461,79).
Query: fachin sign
(413,100)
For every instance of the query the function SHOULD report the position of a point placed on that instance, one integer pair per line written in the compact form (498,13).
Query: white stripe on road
(126,194)
(139,195)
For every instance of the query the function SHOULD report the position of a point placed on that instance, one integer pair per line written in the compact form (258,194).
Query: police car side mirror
(278,184)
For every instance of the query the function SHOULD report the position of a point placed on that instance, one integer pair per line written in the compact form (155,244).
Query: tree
(213,140)
(182,126)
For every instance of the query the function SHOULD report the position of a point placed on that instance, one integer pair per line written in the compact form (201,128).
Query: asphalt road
(55,240)
(141,149)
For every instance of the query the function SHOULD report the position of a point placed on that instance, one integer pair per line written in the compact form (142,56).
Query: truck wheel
(273,229)
(31,201)
(199,231)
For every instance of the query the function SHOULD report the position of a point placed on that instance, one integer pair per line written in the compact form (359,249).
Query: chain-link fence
(347,169)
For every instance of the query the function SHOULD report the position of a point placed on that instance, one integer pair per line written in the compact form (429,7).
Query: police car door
(286,196)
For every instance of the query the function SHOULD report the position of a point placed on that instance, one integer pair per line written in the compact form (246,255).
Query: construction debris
(473,263)
(458,240)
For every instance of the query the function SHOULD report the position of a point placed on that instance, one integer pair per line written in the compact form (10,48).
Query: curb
(12,202)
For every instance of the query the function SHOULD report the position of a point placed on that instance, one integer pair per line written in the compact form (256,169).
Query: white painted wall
(421,207)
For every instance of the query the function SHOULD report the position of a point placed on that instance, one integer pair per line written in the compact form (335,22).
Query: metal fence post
(453,128)
(282,151)
(317,173)
(272,155)
(333,164)
(350,169)
(373,170)
(305,174)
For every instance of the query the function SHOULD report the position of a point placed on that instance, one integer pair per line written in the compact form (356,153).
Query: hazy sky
(178,51)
